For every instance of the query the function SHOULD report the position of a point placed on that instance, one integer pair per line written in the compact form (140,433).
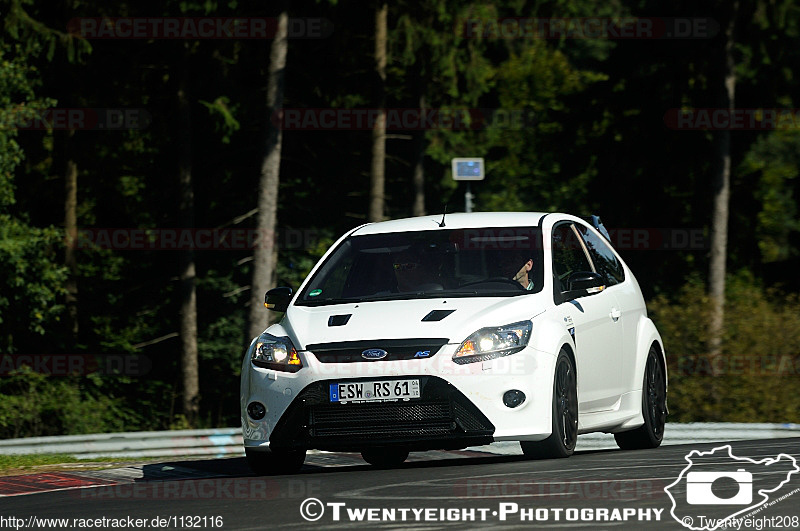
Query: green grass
(17,462)
(24,461)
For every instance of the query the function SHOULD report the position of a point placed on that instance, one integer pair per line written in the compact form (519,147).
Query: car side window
(605,261)
(568,254)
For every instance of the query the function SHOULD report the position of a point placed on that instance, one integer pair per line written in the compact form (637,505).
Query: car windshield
(503,261)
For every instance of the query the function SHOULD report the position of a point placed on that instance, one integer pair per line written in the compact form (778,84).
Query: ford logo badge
(374,354)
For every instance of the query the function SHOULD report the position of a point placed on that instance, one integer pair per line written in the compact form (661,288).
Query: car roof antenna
(441,223)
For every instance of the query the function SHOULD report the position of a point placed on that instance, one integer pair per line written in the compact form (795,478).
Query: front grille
(384,432)
(441,418)
(465,417)
(380,413)
(381,420)
(396,349)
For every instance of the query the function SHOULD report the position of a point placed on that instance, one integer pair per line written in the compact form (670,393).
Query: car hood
(456,319)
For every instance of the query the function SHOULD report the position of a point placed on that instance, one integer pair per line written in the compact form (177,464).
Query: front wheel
(564,436)
(275,462)
(654,408)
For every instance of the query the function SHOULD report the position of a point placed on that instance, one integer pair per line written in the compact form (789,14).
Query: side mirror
(583,283)
(277,299)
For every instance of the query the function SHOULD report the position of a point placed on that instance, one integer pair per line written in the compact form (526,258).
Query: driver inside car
(511,269)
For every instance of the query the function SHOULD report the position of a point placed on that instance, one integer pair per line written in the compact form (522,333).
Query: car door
(593,323)
(630,304)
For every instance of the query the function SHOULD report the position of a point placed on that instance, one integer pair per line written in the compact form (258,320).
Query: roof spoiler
(597,223)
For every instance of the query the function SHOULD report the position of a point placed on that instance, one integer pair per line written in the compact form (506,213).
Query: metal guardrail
(675,433)
(228,441)
(702,432)
(210,442)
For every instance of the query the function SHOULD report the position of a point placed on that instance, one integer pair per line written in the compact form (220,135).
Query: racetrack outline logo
(760,497)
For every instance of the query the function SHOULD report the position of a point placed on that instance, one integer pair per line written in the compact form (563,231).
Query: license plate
(374,391)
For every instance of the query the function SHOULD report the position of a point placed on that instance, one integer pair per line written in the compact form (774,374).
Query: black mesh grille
(466,419)
(377,414)
(383,433)
(378,421)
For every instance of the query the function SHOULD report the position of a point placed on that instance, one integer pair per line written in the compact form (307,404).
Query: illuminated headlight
(276,353)
(495,342)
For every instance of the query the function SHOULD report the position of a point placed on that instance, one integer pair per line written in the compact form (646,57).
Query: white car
(429,333)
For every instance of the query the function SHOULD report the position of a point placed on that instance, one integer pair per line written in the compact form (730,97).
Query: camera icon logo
(699,492)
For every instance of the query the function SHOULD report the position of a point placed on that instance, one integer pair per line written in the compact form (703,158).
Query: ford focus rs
(427,333)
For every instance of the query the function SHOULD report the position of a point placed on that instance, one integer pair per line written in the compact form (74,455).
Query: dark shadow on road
(236,467)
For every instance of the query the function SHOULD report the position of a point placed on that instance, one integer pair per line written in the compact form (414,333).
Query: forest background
(153,184)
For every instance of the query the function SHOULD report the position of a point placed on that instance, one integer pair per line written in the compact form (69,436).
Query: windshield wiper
(416,295)
(322,302)
(391,296)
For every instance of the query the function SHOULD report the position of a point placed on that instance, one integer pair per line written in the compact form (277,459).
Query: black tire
(564,436)
(275,462)
(385,457)
(654,408)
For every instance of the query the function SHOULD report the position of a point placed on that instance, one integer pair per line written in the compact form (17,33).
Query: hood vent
(339,320)
(437,315)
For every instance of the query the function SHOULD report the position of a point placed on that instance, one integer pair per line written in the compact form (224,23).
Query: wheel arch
(662,358)
(570,350)
(647,337)
(571,353)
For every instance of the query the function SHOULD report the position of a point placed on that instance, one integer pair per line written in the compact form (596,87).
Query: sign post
(468,169)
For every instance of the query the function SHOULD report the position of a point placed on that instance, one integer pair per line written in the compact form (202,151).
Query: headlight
(495,342)
(276,353)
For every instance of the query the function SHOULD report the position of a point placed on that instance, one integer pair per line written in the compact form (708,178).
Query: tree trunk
(188,287)
(71,228)
(378,169)
(418,207)
(721,189)
(264,254)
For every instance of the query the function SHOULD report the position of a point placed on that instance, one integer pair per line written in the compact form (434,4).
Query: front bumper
(459,406)
(441,418)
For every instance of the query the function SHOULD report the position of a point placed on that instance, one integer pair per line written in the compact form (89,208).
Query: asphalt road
(592,489)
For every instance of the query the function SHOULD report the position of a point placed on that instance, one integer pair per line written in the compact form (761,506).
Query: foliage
(32,281)
(34,404)
(21,26)
(18,105)
(529,172)
(588,136)
(760,367)
(775,160)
